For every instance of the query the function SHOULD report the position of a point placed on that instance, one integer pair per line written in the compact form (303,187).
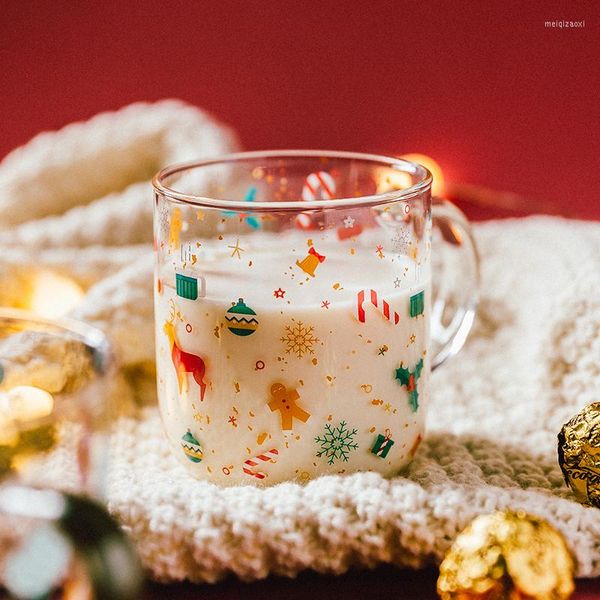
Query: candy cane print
(251,463)
(318,186)
(305,221)
(384,308)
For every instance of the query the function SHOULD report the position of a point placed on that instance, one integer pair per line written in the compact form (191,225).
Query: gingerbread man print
(284,400)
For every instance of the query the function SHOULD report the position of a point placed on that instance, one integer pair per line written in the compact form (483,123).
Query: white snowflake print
(299,339)
(400,241)
(336,442)
(164,219)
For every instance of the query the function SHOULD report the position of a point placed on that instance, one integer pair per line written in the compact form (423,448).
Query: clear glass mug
(296,320)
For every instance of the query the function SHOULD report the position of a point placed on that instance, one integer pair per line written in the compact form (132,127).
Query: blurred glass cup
(56,408)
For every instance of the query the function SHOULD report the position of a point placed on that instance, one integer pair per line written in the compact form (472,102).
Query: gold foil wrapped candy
(507,556)
(579,454)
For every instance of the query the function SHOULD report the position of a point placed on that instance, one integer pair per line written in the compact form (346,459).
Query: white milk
(311,388)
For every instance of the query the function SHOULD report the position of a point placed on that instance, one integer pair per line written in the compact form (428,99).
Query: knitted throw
(77,201)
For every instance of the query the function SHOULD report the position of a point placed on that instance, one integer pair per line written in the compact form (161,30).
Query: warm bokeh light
(437,188)
(20,405)
(27,403)
(389,180)
(54,295)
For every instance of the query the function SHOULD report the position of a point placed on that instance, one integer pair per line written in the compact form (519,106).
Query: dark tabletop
(383,583)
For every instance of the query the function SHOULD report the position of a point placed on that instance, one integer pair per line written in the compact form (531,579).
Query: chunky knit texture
(531,362)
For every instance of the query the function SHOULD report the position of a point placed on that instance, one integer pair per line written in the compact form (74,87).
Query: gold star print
(412,338)
(387,407)
(237,249)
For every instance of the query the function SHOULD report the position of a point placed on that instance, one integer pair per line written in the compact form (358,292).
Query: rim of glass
(90,336)
(401,165)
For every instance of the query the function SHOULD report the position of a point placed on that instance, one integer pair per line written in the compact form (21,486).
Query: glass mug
(56,409)
(294,302)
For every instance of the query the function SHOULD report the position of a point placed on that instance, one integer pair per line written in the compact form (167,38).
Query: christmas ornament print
(284,400)
(507,555)
(579,454)
(336,443)
(241,319)
(383,444)
(409,379)
(191,447)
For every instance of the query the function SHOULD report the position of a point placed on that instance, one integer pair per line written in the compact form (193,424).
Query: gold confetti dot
(261,437)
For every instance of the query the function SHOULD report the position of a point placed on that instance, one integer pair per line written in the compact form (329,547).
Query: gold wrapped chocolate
(507,556)
(579,454)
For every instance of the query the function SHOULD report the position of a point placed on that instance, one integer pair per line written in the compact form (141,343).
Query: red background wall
(482,87)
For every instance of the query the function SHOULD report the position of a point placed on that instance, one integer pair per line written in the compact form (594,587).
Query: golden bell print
(311,262)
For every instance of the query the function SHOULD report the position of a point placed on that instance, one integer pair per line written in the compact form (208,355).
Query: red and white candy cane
(382,306)
(318,186)
(252,463)
(304,220)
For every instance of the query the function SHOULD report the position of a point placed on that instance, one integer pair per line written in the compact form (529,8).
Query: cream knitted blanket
(77,201)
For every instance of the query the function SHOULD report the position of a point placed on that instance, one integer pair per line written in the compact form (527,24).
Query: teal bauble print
(241,319)
(191,447)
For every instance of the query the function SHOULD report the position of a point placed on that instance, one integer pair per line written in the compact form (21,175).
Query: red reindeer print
(185,362)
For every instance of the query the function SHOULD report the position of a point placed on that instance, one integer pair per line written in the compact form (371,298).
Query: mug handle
(456,291)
